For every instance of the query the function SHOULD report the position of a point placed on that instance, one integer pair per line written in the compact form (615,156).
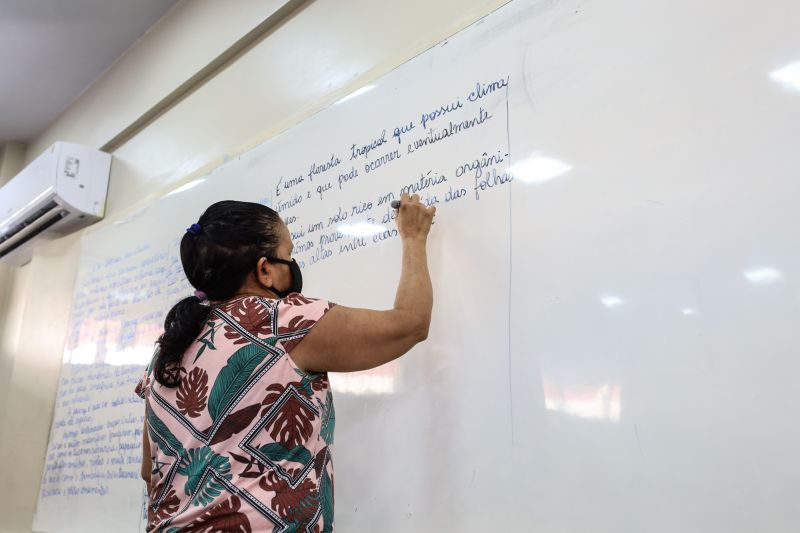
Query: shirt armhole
(296,317)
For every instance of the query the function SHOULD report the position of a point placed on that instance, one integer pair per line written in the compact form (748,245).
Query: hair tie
(194,229)
(200,295)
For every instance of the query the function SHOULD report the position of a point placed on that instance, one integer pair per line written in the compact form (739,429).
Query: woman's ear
(263,274)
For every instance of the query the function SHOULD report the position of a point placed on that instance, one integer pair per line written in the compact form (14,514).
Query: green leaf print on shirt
(193,465)
(328,419)
(161,435)
(326,500)
(275,451)
(233,376)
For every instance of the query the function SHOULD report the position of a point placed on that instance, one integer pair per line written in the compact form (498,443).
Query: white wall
(12,159)
(323,51)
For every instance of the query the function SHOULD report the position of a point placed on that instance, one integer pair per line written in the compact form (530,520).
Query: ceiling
(51,50)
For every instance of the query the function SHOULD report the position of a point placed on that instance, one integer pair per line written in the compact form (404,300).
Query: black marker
(395,204)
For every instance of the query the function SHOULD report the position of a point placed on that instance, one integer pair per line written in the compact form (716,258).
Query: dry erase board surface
(615,263)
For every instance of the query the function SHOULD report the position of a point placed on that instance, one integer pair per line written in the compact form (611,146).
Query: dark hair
(216,258)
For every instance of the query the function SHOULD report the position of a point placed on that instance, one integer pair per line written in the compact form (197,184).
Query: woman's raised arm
(347,339)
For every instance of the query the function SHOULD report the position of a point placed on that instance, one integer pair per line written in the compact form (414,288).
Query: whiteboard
(615,269)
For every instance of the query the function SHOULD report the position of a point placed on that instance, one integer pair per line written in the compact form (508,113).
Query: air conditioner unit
(61,191)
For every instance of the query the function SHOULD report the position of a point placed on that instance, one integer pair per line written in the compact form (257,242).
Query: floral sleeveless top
(244,442)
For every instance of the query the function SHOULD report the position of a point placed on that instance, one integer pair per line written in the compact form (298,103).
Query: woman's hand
(413,218)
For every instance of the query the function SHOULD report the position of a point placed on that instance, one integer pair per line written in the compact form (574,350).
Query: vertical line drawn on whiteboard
(527,86)
(510,266)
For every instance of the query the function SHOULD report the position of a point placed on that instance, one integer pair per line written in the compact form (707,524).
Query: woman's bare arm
(348,339)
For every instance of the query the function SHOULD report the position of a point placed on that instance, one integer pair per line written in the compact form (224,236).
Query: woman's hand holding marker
(413,218)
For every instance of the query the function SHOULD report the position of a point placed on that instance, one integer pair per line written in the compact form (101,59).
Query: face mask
(297,277)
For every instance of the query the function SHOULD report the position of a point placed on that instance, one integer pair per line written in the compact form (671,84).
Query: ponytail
(182,326)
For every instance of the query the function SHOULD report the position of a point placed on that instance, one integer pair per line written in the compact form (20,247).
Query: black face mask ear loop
(296,284)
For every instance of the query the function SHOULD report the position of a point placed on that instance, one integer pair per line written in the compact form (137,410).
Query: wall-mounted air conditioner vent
(62,190)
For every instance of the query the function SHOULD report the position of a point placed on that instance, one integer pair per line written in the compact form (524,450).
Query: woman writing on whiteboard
(239,415)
